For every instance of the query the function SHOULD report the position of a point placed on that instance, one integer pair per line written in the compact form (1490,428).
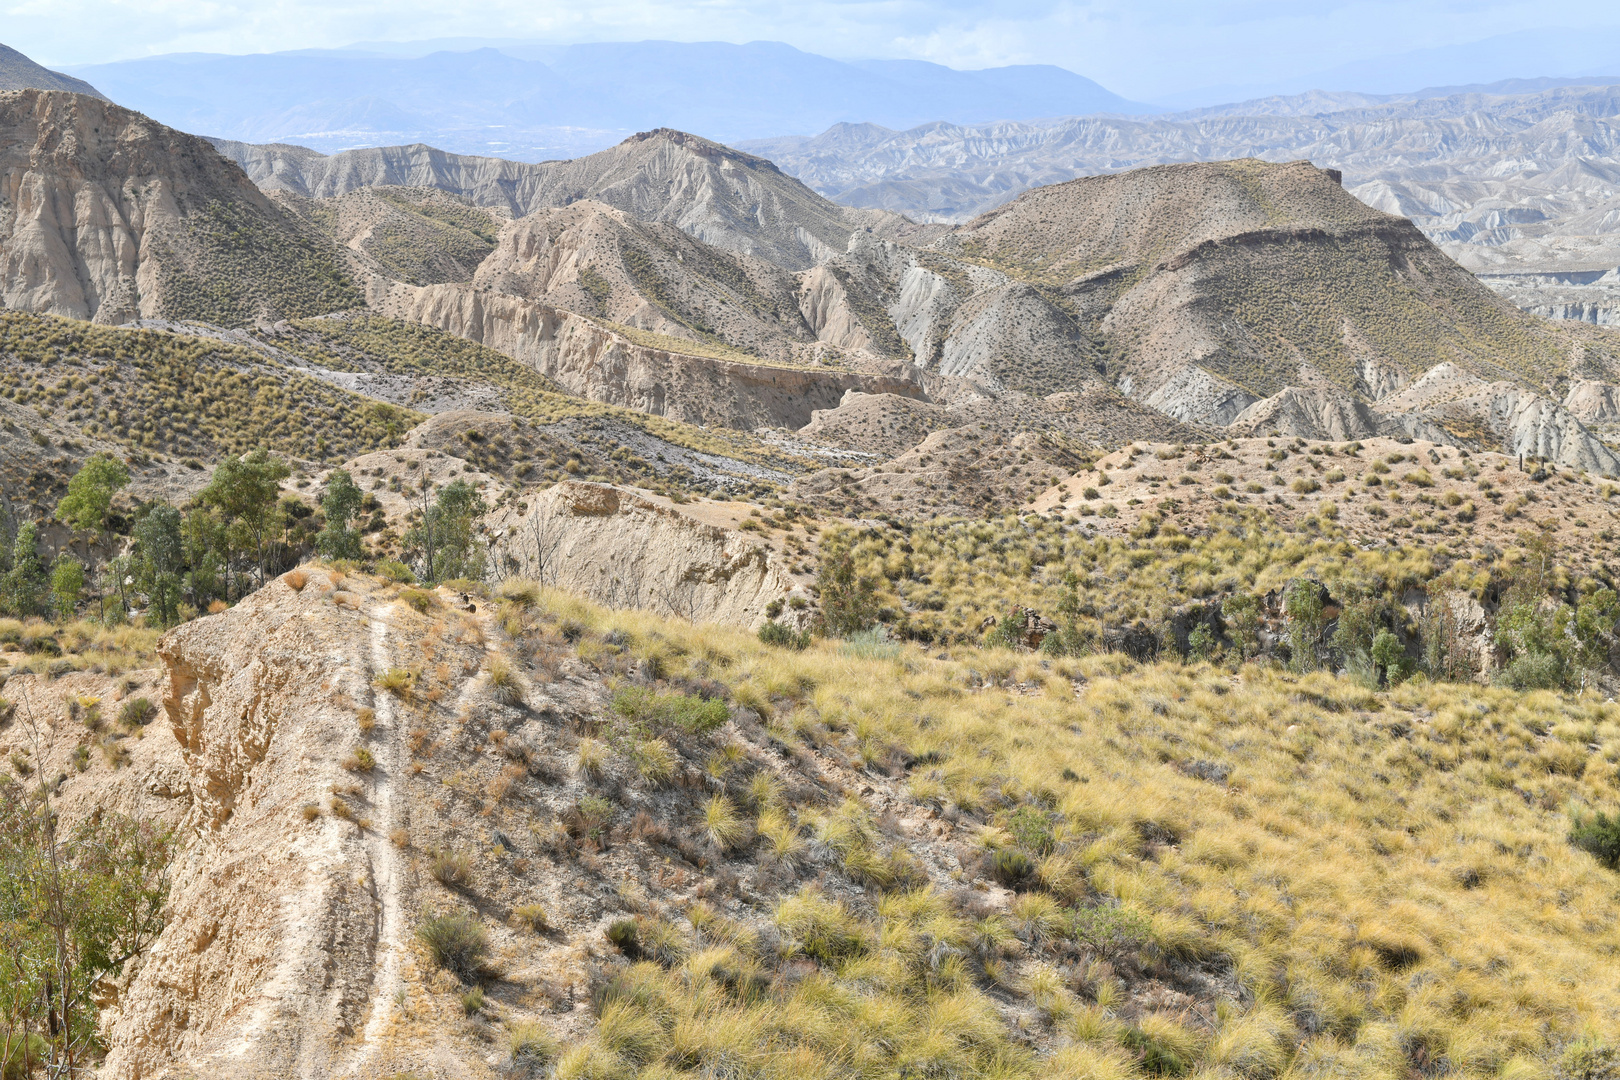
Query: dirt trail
(387,873)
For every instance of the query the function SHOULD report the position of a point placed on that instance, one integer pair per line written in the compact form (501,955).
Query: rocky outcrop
(592,361)
(1593,402)
(266,965)
(1502,416)
(1199,397)
(623,550)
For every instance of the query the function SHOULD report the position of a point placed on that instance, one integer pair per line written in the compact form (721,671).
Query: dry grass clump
(1384,879)
(451,868)
(456,942)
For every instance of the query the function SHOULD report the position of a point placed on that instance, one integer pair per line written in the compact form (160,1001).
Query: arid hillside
(107,216)
(518,833)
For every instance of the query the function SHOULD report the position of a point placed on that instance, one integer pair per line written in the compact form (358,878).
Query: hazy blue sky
(1145,49)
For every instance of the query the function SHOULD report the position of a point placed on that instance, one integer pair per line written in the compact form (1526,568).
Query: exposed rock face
(1313,414)
(1197,396)
(1519,182)
(105,215)
(1521,421)
(266,966)
(601,261)
(623,550)
(1449,407)
(594,362)
(1247,271)
(1593,402)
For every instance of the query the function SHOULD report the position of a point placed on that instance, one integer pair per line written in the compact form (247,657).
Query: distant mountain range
(532,102)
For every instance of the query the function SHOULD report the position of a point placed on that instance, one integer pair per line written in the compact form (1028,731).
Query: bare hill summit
(18,72)
(106,215)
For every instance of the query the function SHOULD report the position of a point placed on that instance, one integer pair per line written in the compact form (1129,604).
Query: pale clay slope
(92,198)
(621,549)
(283,944)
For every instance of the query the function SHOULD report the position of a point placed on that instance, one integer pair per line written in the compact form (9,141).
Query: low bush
(624,935)
(774,633)
(1011,867)
(503,683)
(457,942)
(653,710)
(533,1050)
(136,712)
(420,599)
(531,915)
(395,571)
(1598,835)
(452,869)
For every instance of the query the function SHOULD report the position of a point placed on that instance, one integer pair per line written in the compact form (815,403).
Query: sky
(1148,50)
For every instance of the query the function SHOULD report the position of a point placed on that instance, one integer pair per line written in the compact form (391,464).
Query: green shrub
(136,712)
(1031,826)
(1389,655)
(774,633)
(624,935)
(1590,1058)
(693,715)
(1598,835)
(1108,929)
(1011,867)
(420,599)
(395,571)
(1534,671)
(458,943)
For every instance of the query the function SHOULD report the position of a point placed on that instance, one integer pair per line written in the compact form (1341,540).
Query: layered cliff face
(105,215)
(621,549)
(595,362)
(601,261)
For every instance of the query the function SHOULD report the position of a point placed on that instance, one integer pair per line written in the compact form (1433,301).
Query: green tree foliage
(1303,605)
(160,560)
(1390,655)
(848,599)
(74,909)
(1242,615)
(89,494)
(23,587)
(1535,635)
(67,585)
(244,491)
(443,537)
(338,539)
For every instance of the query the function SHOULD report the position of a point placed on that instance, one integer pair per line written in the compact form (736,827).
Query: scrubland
(1011,865)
